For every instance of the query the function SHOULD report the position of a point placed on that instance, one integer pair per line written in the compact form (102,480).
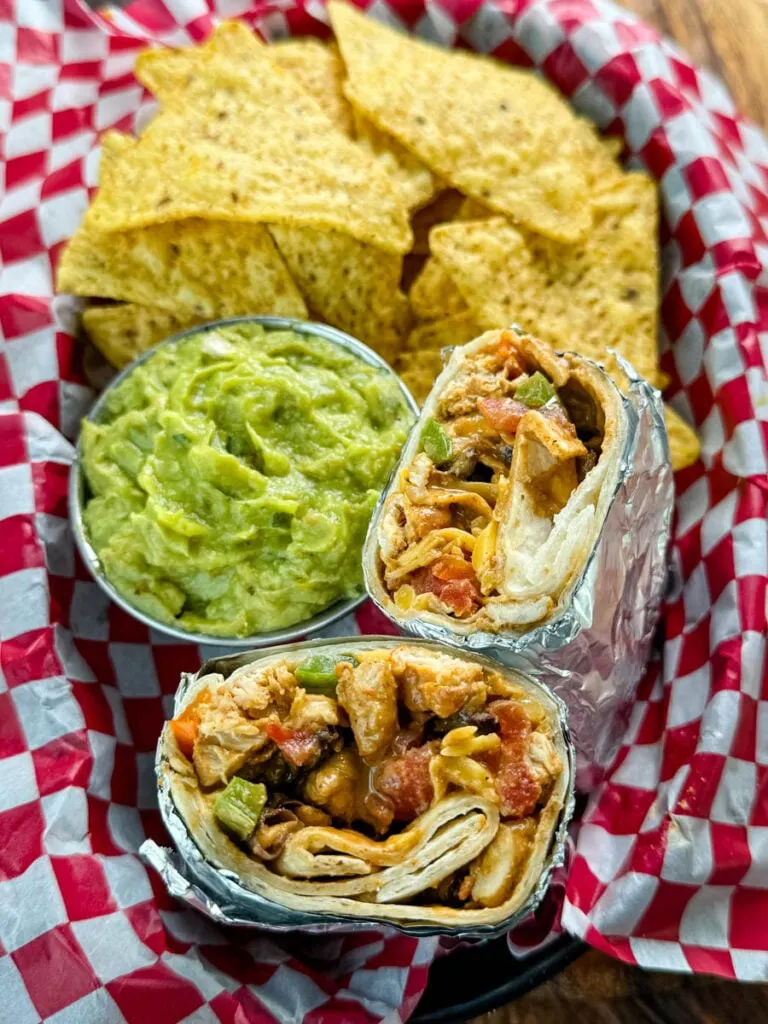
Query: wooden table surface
(731,38)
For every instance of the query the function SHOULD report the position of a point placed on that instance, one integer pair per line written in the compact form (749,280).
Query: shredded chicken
(226,740)
(368,693)
(543,760)
(258,691)
(460,399)
(436,682)
(312,712)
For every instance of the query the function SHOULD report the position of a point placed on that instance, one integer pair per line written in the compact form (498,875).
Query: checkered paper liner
(670,867)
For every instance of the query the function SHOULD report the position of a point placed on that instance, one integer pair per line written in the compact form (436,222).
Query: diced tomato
(404,780)
(296,745)
(451,568)
(503,414)
(518,790)
(460,592)
(186,726)
(461,596)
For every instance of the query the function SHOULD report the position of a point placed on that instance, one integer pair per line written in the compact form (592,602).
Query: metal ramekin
(77,487)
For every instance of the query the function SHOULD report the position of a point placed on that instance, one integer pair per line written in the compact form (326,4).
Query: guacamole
(233,474)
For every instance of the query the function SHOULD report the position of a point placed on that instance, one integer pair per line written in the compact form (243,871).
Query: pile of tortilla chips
(246,194)
(321,179)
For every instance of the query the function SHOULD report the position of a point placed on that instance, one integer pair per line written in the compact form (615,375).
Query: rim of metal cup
(77,485)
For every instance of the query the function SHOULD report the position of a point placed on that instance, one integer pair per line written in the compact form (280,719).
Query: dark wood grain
(730,37)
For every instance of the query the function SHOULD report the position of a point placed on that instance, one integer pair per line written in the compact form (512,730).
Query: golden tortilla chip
(421,361)
(492,131)
(348,284)
(165,72)
(319,70)
(684,445)
(207,268)
(121,333)
(244,142)
(590,297)
(416,182)
(433,294)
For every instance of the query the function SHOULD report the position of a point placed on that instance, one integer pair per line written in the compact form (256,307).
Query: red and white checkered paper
(671,861)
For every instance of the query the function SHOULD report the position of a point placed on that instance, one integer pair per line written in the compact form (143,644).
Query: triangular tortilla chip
(244,142)
(492,131)
(121,333)
(207,268)
(414,179)
(421,360)
(433,294)
(165,71)
(319,70)
(590,297)
(353,286)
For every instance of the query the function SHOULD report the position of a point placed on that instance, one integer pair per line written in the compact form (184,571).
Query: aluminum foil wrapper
(594,653)
(218,893)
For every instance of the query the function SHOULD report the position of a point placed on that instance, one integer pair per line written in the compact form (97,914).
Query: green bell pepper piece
(239,806)
(318,673)
(535,391)
(435,443)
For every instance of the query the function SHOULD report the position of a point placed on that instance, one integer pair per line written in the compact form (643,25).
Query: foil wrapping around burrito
(594,652)
(219,894)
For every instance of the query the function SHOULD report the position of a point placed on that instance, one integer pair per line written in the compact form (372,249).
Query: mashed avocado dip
(233,474)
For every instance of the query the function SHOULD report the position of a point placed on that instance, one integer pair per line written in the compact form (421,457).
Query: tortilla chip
(443,208)
(433,294)
(165,72)
(319,70)
(684,445)
(492,131)
(353,286)
(121,333)
(588,298)
(421,361)
(207,268)
(244,142)
(416,182)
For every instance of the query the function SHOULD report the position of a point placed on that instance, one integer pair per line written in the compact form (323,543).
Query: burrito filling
(494,516)
(398,774)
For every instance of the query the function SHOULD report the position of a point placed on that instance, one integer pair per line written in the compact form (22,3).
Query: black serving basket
(482,977)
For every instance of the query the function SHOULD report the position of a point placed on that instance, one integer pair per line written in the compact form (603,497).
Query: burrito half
(502,489)
(377,780)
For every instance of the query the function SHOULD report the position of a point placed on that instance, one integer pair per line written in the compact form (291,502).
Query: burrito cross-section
(384,780)
(502,490)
